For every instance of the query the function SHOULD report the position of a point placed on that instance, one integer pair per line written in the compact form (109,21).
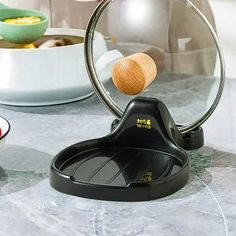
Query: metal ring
(101,91)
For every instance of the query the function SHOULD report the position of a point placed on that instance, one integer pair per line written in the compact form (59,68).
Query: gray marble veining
(29,206)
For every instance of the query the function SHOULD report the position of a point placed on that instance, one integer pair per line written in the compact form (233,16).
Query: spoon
(21,34)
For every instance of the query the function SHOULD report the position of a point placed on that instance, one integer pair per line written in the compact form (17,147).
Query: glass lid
(181,39)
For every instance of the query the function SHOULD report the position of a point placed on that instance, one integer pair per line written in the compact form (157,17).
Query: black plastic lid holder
(140,160)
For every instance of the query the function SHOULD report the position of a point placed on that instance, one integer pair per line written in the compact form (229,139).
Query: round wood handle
(132,74)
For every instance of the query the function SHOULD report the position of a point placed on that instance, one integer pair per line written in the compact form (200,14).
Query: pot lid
(182,39)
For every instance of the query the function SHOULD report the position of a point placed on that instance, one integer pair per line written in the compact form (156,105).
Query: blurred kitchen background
(75,14)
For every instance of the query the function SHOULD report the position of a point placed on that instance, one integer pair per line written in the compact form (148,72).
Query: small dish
(18,33)
(5,128)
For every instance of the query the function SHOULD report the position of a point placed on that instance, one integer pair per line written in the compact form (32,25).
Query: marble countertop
(29,206)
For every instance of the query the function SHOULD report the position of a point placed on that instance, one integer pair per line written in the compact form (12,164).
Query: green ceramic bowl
(21,34)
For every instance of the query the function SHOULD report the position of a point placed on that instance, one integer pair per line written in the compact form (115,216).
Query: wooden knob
(158,56)
(132,74)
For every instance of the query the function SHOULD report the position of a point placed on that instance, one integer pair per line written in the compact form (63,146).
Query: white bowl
(5,127)
(34,77)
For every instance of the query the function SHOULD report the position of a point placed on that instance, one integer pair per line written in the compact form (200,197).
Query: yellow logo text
(144,123)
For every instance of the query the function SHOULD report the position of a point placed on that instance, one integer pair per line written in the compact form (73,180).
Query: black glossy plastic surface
(120,166)
(189,141)
(138,161)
